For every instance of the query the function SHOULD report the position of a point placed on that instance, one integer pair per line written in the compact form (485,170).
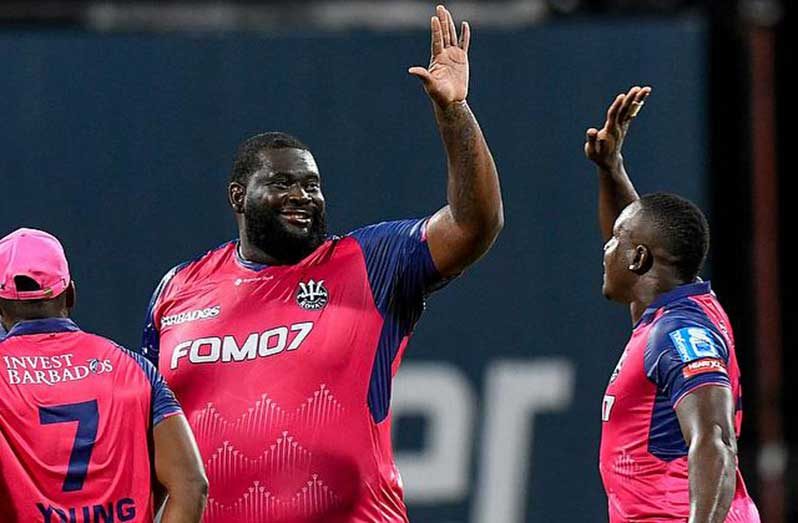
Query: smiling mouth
(299,218)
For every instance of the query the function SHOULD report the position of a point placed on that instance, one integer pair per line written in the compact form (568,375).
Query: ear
(71,296)
(642,261)
(235,195)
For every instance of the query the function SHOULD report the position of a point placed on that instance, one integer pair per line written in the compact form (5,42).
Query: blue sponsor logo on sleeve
(694,343)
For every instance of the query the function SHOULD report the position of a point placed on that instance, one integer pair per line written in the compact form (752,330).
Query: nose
(297,193)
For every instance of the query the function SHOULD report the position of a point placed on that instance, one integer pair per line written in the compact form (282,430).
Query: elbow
(199,486)
(195,487)
(491,226)
(717,448)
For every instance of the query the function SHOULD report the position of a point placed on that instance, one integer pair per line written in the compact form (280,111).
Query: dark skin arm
(462,231)
(178,467)
(603,147)
(706,417)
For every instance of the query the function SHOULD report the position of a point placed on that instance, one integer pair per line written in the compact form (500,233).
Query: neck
(647,290)
(9,321)
(252,253)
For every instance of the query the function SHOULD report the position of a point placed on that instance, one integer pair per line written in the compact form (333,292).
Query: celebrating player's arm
(461,232)
(706,417)
(603,146)
(179,470)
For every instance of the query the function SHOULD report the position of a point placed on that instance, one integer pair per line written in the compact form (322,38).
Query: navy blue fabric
(2,333)
(150,339)
(401,272)
(664,363)
(42,326)
(679,293)
(163,402)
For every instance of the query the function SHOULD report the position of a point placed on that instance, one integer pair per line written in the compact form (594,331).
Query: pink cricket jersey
(683,341)
(285,372)
(76,419)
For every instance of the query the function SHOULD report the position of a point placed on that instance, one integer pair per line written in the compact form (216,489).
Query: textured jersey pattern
(284,372)
(683,341)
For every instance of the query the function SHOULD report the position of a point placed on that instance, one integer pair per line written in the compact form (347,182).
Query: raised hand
(604,146)
(446,78)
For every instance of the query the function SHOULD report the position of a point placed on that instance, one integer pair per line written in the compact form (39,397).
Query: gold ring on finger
(636,106)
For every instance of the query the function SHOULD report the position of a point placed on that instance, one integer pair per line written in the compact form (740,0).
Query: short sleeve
(164,404)
(682,356)
(400,268)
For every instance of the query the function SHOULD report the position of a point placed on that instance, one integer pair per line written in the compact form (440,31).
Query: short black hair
(248,156)
(683,229)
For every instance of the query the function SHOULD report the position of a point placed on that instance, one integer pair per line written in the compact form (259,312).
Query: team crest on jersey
(312,295)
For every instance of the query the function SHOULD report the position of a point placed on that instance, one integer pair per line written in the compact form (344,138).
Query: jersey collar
(43,326)
(243,262)
(679,293)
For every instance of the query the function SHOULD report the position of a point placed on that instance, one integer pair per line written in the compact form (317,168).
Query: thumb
(421,73)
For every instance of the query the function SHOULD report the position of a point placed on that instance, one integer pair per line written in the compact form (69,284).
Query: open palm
(603,146)
(446,78)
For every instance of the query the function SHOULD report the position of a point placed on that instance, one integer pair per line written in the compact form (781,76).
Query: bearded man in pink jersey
(282,344)
(672,411)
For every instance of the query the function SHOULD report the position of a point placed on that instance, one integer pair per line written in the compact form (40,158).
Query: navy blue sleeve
(150,338)
(400,267)
(684,352)
(164,403)
(401,273)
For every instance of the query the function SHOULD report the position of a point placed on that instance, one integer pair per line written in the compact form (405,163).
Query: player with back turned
(671,414)
(282,344)
(86,427)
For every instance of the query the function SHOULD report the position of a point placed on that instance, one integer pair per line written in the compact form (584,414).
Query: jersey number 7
(87,416)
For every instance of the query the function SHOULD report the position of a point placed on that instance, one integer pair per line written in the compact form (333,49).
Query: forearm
(712,466)
(186,504)
(473,191)
(616,191)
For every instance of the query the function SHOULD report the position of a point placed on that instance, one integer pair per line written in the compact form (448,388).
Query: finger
(444,23)
(452,28)
(590,141)
(421,73)
(465,36)
(437,36)
(643,94)
(612,112)
(624,113)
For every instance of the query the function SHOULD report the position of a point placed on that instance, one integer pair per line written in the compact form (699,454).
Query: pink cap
(37,255)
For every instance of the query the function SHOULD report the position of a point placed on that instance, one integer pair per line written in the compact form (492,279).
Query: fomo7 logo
(256,345)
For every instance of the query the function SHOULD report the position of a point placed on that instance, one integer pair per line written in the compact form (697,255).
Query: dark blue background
(121,146)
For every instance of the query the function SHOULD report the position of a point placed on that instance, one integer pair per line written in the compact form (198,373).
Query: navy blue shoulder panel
(682,336)
(150,338)
(401,273)
(163,402)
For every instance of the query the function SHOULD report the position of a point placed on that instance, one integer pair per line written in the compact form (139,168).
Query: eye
(313,185)
(610,243)
(280,183)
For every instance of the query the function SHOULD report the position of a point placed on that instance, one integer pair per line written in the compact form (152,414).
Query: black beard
(266,232)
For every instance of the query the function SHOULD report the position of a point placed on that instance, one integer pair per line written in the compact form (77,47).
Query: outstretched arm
(706,417)
(603,147)
(462,231)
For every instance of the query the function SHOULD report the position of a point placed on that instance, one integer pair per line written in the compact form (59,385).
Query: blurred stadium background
(120,120)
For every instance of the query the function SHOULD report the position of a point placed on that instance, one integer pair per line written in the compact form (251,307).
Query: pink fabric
(37,255)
